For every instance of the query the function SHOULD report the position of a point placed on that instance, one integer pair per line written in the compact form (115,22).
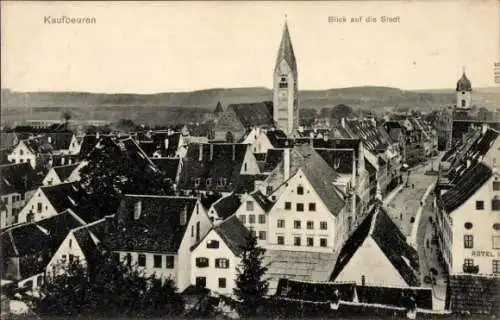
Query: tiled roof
(158,228)
(63,172)
(391,296)
(35,243)
(219,172)
(87,145)
(464,84)
(465,187)
(273,158)
(262,200)
(340,160)
(369,133)
(65,196)
(208,199)
(169,166)
(234,234)
(18,177)
(278,138)
(166,149)
(59,140)
(252,114)
(246,182)
(380,227)
(227,205)
(474,295)
(89,236)
(200,129)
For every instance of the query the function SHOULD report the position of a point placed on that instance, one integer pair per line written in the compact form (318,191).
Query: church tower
(464,92)
(285,92)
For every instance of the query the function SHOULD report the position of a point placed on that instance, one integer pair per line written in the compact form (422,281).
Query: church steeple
(285,51)
(285,93)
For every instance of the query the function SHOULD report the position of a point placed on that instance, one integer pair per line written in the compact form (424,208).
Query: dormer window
(209,181)
(300,190)
(196,182)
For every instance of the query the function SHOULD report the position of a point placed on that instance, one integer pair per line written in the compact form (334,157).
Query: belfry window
(283,82)
(463,103)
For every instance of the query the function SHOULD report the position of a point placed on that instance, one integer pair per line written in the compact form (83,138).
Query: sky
(150,47)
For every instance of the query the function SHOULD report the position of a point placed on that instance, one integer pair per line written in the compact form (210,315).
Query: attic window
(213,244)
(300,190)
(496,226)
(468,225)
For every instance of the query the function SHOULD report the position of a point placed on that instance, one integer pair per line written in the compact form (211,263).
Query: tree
(106,287)
(112,172)
(250,287)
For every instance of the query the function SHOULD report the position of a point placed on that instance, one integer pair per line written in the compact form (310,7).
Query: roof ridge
(159,196)
(374,220)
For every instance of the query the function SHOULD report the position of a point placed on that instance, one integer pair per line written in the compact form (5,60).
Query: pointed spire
(285,51)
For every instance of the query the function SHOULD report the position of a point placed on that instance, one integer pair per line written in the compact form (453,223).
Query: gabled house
(18,182)
(59,174)
(238,118)
(155,233)
(377,254)
(48,201)
(216,167)
(214,260)
(253,214)
(263,140)
(223,208)
(28,248)
(81,244)
(310,212)
(23,152)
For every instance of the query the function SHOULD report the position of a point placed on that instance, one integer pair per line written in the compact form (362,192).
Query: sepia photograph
(250,159)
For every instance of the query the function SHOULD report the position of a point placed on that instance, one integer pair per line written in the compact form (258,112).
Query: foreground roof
(18,177)
(380,227)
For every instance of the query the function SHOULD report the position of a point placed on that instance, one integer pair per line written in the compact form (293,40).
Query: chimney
(234,152)
(200,155)
(286,163)
(137,210)
(97,135)
(342,122)
(108,224)
(363,280)
(166,143)
(211,151)
(183,216)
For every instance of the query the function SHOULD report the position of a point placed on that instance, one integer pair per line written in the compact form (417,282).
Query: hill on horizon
(18,106)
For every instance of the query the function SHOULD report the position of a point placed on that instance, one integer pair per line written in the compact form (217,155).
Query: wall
(160,273)
(32,205)
(321,214)
(482,230)
(249,165)
(258,212)
(51,178)
(68,247)
(21,153)
(370,261)
(211,273)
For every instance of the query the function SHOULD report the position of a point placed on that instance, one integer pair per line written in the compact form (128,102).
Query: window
(262,218)
(213,244)
(39,207)
(192,231)
(243,219)
(468,241)
(202,262)
(201,282)
(323,225)
(169,262)
(310,242)
(281,240)
(262,235)
(21,152)
(249,205)
(222,263)
(468,225)
(39,281)
(468,263)
(251,218)
(496,226)
(157,261)
(288,205)
(310,225)
(495,204)
(245,167)
(71,258)
(496,242)
(322,242)
(296,241)
(128,259)
(300,207)
(70,243)
(479,205)
(209,181)
(283,84)
(296,224)
(312,206)
(496,266)
(463,103)
(496,185)
(269,189)
(222,282)
(196,182)
(141,260)
(300,190)
(253,233)
(281,223)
